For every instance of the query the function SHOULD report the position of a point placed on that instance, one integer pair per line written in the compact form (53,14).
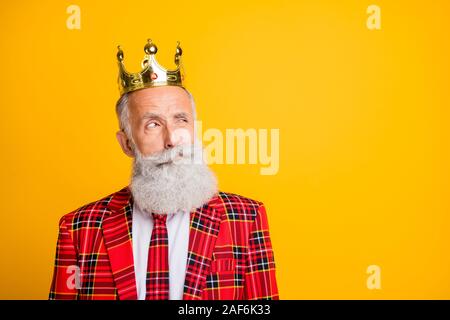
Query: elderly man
(170,234)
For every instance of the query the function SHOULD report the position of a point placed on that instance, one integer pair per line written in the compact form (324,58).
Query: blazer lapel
(116,228)
(204,228)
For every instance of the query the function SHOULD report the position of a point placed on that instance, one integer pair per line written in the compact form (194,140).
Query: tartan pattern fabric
(230,254)
(157,282)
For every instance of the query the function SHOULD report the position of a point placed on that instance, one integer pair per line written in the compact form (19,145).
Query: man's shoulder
(237,199)
(93,210)
(237,206)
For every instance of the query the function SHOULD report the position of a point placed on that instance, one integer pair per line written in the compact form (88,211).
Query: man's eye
(183,120)
(152,125)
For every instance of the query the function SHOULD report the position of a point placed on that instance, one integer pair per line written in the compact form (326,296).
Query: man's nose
(176,136)
(169,139)
(168,143)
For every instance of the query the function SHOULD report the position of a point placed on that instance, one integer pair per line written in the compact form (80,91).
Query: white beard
(172,181)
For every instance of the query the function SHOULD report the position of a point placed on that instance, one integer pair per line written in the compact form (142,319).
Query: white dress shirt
(178,232)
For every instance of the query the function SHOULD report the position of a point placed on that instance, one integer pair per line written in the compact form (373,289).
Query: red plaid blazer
(230,254)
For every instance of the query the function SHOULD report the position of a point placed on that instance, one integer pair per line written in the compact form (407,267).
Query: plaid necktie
(157,284)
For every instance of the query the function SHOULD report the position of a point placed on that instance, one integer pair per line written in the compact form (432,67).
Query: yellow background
(363,118)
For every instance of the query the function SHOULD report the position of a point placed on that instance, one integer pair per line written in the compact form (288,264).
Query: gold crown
(152,74)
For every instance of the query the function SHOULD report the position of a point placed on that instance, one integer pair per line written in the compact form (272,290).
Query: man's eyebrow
(181,115)
(151,115)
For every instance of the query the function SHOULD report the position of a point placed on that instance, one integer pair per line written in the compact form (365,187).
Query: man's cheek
(151,145)
(181,136)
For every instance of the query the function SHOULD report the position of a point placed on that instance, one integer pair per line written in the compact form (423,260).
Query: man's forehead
(159,98)
(160,93)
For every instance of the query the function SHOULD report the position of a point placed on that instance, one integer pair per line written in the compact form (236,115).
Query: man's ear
(125,143)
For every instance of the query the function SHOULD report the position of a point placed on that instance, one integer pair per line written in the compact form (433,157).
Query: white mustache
(173,155)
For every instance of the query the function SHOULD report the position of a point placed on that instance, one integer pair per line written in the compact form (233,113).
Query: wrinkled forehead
(160,99)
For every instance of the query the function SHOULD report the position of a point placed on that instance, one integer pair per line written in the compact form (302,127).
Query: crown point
(119,54)
(179,51)
(150,48)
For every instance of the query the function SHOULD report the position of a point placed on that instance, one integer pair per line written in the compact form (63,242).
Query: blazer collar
(203,232)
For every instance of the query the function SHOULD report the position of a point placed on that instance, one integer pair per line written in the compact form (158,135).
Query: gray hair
(123,114)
